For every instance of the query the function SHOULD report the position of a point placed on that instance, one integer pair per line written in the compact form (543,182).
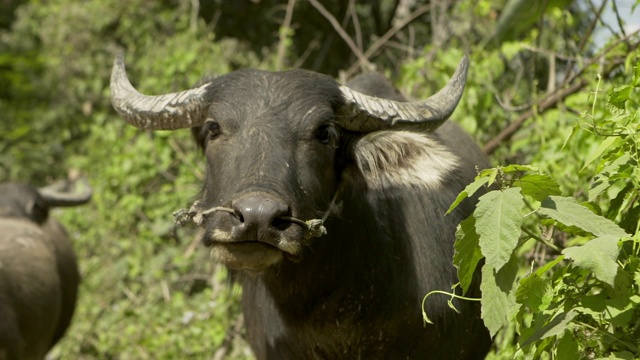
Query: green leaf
(555,327)
(498,295)
(619,95)
(498,222)
(567,348)
(592,305)
(467,253)
(574,130)
(604,145)
(600,184)
(622,355)
(468,191)
(549,265)
(538,186)
(534,292)
(616,203)
(620,311)
(492,176)
(598,256)
(568,212)
(517,167)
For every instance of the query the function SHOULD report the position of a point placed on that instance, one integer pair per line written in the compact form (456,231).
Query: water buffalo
(38,271)
(327,204)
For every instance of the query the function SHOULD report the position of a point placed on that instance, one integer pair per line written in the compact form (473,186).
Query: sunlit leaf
(538,186)
(568,212)
(598,256)
(498,222)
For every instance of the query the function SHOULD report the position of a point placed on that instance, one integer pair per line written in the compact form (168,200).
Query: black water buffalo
(38,271)
(327,203)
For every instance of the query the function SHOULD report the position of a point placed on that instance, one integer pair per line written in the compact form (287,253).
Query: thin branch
(542,240)
(544,104)
(362,60)
(583,40)
(382,40)
(313,45)
(557,96)
(542,51)
(618,18)
(284,34)
(356,23)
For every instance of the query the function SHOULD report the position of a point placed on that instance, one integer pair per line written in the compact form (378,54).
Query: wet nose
(260,215)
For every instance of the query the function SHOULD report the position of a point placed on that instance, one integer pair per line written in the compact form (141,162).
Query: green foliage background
(149,291)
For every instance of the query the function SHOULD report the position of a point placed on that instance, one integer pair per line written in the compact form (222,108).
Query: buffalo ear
(393,159)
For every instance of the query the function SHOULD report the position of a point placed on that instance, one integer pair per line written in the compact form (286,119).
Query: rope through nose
(313,228)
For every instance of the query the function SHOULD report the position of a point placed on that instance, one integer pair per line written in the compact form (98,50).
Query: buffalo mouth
(246,255)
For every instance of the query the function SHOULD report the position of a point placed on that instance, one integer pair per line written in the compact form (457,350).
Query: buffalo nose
(260,215)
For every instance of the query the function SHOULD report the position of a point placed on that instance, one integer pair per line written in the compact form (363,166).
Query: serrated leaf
(498,222)
(498,295)
(538,186)
(555,327)
(598,256)
(534,292)
(568,212)
(468,191)
(467,253)
(604,145)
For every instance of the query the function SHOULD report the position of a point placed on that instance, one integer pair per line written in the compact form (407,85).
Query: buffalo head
(279,147)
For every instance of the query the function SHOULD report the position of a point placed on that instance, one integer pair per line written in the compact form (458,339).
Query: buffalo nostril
(281,224)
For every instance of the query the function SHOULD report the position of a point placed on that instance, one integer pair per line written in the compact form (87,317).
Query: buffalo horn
(172,111)
(66,193)
(369,113)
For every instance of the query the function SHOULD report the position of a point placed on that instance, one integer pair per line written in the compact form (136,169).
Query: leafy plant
(583,299)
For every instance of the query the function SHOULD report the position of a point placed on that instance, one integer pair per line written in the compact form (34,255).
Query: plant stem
(542,241)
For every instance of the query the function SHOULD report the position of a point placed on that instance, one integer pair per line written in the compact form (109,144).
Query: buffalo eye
(212,130)
(325,133)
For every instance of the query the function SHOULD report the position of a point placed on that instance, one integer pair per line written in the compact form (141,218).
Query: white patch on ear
(403,158)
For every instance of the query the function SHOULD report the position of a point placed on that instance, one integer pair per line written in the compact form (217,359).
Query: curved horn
(172,111)
(369,113)
(66,193)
